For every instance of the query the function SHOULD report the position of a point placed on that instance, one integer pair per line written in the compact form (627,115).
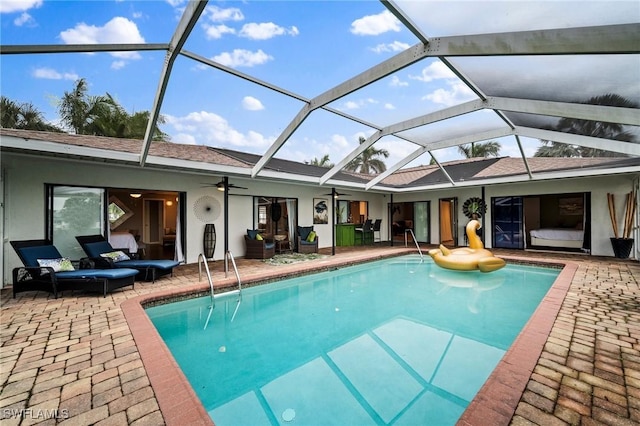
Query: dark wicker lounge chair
(95,246)
(35,277)
(259,249)
(302,239)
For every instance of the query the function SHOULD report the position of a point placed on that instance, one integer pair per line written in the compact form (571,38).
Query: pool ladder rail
(413,236)
(203,260)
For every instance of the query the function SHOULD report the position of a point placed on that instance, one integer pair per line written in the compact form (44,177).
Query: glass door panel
(507,222)
(75,211)
(421,221)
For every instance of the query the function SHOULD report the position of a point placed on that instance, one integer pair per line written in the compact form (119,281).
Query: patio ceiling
(524,81)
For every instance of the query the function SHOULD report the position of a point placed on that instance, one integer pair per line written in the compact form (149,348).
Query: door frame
(452,203)
(146,226)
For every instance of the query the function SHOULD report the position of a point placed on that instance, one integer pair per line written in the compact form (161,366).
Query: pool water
(394,341)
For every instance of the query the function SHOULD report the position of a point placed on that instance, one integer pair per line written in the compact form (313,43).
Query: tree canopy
(368,162)
(596,129)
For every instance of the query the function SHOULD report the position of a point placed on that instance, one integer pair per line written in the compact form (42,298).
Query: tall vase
(209,240)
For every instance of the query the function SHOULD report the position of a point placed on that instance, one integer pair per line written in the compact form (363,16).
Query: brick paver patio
(75,361)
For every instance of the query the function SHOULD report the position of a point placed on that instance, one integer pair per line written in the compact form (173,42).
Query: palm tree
(598,129)
(483,150)
(104,116)
(79,111)
(367,163)
(323,162)
(23,116)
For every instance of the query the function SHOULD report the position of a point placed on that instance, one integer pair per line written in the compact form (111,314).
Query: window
(118,212)
(73,211)
(273,215)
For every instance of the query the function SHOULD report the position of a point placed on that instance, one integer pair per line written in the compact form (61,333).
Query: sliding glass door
(74,211)
(507,221)
(421,221)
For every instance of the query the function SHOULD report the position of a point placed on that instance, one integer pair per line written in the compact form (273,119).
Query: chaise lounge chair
(46,270)
(105,256)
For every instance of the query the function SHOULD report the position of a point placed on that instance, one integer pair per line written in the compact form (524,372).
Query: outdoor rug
(289,258)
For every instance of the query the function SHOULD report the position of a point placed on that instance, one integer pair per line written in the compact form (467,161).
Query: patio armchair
(258,247)
(45,269)
(105,256)
(306,240)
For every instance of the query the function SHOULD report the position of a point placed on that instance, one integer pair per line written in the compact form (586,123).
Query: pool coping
(495,403)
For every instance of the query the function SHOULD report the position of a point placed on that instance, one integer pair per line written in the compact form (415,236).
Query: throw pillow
(116,256)
(312,237)
(58,265)
(259,237)
(252,233)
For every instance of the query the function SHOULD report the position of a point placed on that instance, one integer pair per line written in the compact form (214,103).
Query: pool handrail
(413,236)
(228,255)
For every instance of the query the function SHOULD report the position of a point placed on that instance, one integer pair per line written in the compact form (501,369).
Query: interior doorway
(448,221)
(153,220)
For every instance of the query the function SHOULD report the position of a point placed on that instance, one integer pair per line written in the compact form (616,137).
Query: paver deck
(81,359)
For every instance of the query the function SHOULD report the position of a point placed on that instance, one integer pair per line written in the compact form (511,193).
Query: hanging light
(169,203)
(135,195)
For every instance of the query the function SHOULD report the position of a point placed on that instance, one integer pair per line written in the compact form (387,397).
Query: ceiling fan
(220,186)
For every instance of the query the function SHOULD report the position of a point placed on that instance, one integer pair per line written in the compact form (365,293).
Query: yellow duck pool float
(474,257)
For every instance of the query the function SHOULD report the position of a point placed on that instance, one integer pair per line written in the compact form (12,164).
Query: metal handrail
(202,259)
(414,240)
(228,255)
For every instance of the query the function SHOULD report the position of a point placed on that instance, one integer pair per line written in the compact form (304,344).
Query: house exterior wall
(601,229)
(23,200)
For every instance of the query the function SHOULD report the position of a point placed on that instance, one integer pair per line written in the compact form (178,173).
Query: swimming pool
(390,342)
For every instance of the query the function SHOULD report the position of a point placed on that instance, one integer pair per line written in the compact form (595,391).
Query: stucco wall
(23,200)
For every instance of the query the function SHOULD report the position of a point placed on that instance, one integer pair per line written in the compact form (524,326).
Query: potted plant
(622,243)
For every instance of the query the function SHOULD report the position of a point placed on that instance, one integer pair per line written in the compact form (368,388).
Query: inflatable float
(474,257)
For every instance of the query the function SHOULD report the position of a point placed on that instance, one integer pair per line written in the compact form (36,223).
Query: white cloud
(116,65)
(435,71)
(242,58)
(456,93)
(265,31)
(24,19)
(207,128)
(252,104)
(10,6)
(396,46)
(389,106)
(118,30)
(375,24)
(51,74)
(217,14)
(175,3)
(217,31)
(351,105)
(396,82)
(359,103)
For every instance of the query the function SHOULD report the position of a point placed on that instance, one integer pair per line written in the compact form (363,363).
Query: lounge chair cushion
(148,263)
(252,233)
(259,237)
(304,231)
(312,237)
(61,264)
(94,250)
(111,274)
(32,254)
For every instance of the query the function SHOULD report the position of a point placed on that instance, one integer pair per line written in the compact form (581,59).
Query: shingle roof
(421,176)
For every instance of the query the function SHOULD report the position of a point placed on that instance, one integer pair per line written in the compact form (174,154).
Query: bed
(557,237)
(123,240)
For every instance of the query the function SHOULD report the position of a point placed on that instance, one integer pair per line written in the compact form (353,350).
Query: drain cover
(288,414)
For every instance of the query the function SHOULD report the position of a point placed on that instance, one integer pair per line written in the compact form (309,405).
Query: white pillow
(62,264)
(116,256)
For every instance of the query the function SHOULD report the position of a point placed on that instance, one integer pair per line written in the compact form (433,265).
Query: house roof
(199,158)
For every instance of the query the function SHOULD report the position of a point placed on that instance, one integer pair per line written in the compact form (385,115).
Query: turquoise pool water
(389,342)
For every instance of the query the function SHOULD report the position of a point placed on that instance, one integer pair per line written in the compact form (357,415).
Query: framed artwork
(571,206)
(320,211)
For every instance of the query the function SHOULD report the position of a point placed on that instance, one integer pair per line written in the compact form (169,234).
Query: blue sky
(305,47)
